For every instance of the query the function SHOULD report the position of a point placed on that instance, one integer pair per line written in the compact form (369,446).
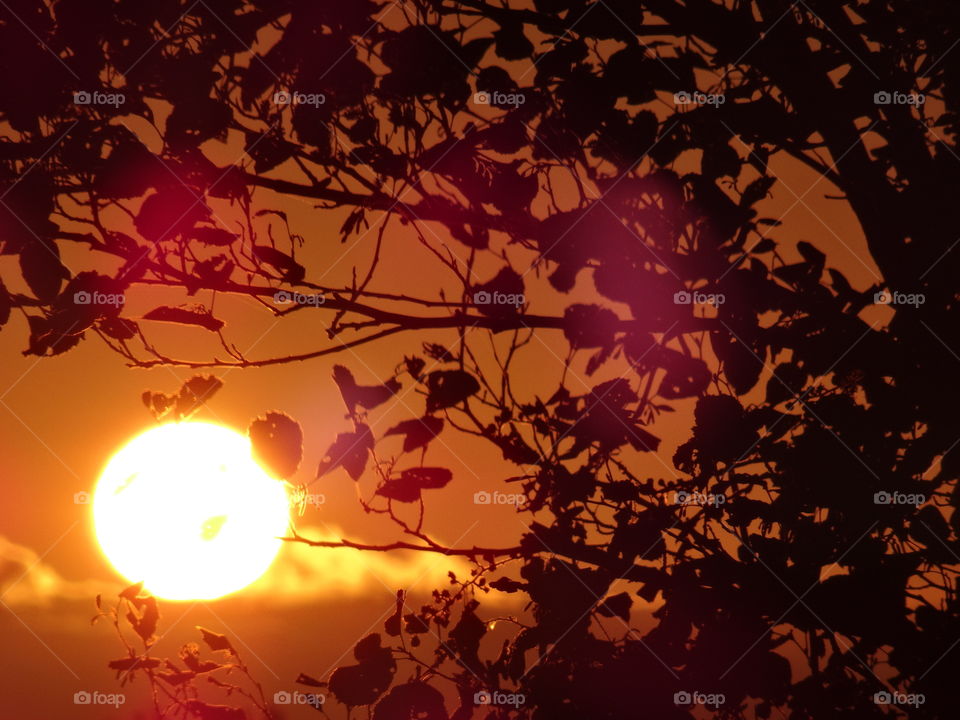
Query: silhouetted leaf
(507,585)
(392,624)
(740,364)
(397,489)
(143,618)
(722,431)
(46,338)
(170,212)
(607,422)
(418,432)
(686,377)
(512,44)
(811,254)
(447,388)
(787,383)
(427,477)
(214,236)
(42,270)
(277,442)
(197,120)
(500,296)
(407,487)
(129,171)
(131,592)
(291,271)
(118,328)
(465,636)
(349,450)
(304,679)
(195,392)
(720,160)
(589,326)
(756,191)
(187,315)
(190,655)
(215,641)
(438,352)
(5,305)
(367,397)
(411,700)
(414,366)
(158,403)
(363,683)
(616,606)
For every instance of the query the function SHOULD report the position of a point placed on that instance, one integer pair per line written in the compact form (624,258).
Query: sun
(185,509)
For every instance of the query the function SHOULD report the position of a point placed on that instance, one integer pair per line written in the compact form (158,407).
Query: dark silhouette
(809,514)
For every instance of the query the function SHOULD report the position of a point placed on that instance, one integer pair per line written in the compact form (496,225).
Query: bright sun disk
(184,508)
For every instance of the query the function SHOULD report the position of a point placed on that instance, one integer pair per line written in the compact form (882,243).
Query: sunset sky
(63,418)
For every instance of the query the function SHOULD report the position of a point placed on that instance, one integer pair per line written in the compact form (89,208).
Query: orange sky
(61,419)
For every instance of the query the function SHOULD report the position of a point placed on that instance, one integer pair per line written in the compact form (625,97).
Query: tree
(630,146)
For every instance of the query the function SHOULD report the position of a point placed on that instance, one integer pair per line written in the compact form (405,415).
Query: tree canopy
(801,544)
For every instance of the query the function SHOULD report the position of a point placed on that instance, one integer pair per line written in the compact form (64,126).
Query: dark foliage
(770,536)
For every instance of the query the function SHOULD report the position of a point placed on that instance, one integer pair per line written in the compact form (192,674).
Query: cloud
(302,573)
(25,579)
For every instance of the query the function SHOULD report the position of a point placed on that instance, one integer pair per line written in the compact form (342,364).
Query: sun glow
(184,508)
